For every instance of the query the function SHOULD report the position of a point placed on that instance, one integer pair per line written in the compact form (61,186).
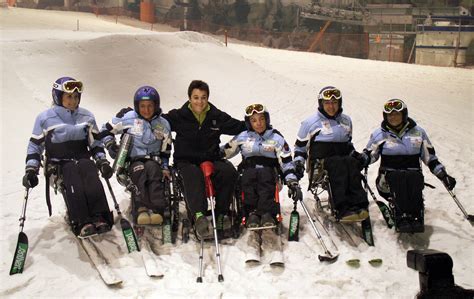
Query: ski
(108,275)
(20,254)
(19,257)
(127,230)
(150,262)
(151,265)
(252,240)
(264,243)
(294,227)
(366,227)
(272,247)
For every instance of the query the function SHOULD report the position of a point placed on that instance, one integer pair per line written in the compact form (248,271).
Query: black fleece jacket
(195,143)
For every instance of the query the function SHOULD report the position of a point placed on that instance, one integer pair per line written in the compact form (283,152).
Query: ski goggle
(69,86)
(394,105)
(254,108)
(330,94)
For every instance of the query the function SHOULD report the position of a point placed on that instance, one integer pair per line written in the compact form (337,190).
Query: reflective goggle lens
(331,93)
(254,108)
(396,105)
(71,86)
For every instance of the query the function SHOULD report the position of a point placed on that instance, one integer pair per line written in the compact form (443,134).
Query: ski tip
(277,264)
(328,258)
(470,218)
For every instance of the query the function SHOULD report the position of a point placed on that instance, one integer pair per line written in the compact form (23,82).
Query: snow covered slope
(113,60)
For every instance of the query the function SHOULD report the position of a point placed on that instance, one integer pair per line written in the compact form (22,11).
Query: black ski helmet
(256,108)
(147,93)
(397,105)
(58,89)
(321,97)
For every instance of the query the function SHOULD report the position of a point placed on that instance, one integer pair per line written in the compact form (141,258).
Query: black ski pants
(258,187)
(84,194)
(346,184)
(223,179)
(405,190)
(147,176)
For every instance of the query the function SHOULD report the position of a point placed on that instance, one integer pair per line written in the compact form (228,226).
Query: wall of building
(386,47)
(439,47)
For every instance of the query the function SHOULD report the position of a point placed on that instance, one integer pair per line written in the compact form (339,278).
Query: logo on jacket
(214,125)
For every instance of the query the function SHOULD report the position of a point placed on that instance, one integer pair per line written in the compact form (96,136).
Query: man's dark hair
(198,84)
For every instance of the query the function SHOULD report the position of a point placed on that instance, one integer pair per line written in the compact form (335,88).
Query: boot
(201,224)
(101,226)
(267,220)
(253,221)
(156,218)
(87,230)
(143,217)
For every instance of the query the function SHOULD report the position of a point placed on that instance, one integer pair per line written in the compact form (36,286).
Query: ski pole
(386,213)
(207,169)
(328,255)
(201,254)
(22,244)
(469,217)
(128,233)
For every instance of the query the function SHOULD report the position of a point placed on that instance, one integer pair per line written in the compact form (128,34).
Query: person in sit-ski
(326,136)
(148,154)
(65,132)
(401,144)
(264,152)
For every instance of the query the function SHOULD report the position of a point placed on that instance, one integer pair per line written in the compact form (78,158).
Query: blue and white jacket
(329,136)
(402,150)
(270,145)
(150,138)
(65,134)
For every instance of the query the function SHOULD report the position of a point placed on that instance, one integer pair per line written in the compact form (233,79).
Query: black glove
(299,169)
(30,179)
(294,190)
(362,158)
(113,148)
(123,111)
(447,180)
(105,169)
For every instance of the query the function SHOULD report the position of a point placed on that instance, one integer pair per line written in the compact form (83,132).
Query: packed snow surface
(113,60)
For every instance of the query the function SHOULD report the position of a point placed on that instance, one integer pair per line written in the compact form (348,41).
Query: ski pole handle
(208,169)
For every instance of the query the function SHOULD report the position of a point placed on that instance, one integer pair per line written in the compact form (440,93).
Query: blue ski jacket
(150,138)
(402,150)
(271,144)
(321,131)
(65,135)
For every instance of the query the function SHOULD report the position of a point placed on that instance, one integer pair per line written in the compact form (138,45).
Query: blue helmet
(147,93)
(61,85)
